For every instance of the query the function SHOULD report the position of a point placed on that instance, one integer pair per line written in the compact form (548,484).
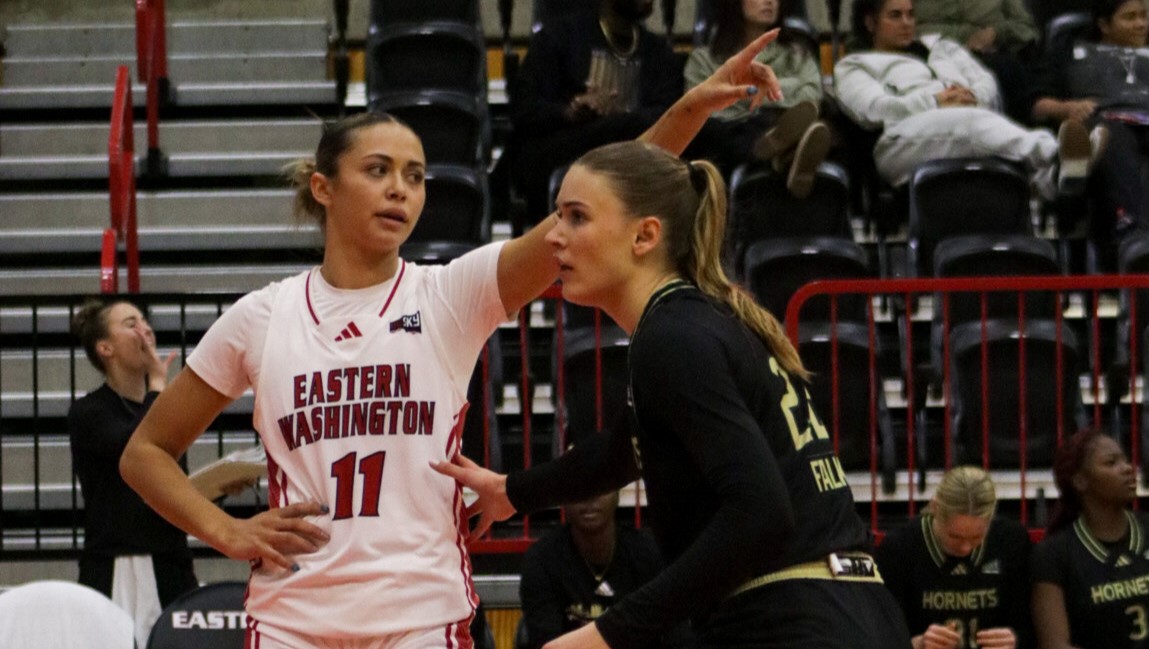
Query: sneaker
(811,151)
(1098,140)
(786,132)
(1074,151)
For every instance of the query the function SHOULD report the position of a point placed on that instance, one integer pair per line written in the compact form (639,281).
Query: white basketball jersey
(352,410)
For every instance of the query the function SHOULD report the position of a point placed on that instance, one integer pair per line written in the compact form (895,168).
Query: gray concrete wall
(20,11)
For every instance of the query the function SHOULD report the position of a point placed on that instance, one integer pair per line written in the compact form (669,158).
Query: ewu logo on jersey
(412,324)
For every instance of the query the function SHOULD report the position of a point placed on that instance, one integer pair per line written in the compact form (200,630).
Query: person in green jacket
(786,132)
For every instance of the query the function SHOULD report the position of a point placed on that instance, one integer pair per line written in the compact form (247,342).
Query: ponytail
(304,206)
(703,266)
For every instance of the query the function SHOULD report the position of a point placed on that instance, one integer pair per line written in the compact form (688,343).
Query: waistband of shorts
(857,567)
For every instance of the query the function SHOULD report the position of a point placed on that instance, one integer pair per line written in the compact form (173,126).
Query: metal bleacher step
(217,278)
(198,208)
(52,464)
(163,317)
(233,62)
(182,68)
(50,39)
(246,147)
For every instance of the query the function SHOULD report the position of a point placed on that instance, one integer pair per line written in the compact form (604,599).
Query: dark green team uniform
(988,589)
(1106,585)
(741,482)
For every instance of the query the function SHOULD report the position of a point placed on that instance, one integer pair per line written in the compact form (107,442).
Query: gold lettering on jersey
(959,600)
(828,473)
(353,401)
(1116,591)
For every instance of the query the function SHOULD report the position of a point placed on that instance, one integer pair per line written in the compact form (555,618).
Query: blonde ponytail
(704,267)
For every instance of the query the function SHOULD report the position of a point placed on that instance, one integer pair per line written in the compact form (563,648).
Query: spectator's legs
(960,132)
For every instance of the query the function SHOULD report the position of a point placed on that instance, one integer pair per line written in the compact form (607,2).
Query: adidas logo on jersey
(959,569)
(350,331)
(410,323)
(992,568)
(1123,561)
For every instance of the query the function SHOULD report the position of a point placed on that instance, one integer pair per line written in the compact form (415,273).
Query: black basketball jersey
(724,399)
(1106,585)
(988,589)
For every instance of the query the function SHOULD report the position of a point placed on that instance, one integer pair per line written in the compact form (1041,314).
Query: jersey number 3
(343,470)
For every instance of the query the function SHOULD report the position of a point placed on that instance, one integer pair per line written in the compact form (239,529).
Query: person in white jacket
(931,99)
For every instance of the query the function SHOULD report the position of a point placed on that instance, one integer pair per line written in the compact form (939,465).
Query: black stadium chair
(544,12)
(1044,354)
(394,12)
(455,217)
(582,355)
(777,268)
(959,196)
(1062,31)
(454,127)
(761,207)
(440,55)
(209,616)
(860,394)
(995,256)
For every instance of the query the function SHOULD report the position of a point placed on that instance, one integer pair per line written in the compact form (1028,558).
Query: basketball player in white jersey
(360,368)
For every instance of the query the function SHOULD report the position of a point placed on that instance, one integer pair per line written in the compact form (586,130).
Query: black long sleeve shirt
(116,520)
(740,474)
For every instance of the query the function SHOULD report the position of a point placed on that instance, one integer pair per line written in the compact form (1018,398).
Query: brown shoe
(787,131)
(811,151)
(1074,152)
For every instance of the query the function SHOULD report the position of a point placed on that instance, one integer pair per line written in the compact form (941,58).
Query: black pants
(729,143)
(174,574)
(808,614)
(1118,190)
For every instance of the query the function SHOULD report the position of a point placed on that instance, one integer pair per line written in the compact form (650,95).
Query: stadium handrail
(121,188)
(152,69)
(910,289)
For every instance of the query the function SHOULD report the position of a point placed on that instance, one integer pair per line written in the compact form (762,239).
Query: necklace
(618,51)
(1128,60)
(602,587)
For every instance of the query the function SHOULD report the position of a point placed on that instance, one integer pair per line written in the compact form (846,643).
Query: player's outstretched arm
(492,505)
(736,79)
(180,415)
(527,265)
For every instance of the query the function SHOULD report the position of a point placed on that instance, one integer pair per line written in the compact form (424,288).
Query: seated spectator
(1089,571)
(936,564)
(587,80)
(572,574)
(1106,81)
(131,554)
(932,100)
(729,137)
(1000,33)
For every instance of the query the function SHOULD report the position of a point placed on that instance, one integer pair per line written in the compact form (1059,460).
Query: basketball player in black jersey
(1091,573)
(747,501)
(960,573)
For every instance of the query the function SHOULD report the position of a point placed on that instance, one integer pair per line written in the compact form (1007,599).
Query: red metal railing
(152,62)
(518,543)
(121,191)
(909,291)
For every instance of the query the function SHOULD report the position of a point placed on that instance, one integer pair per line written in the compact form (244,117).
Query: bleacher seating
(216,223)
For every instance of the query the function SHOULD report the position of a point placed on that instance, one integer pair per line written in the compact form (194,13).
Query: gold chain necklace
(613,45)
